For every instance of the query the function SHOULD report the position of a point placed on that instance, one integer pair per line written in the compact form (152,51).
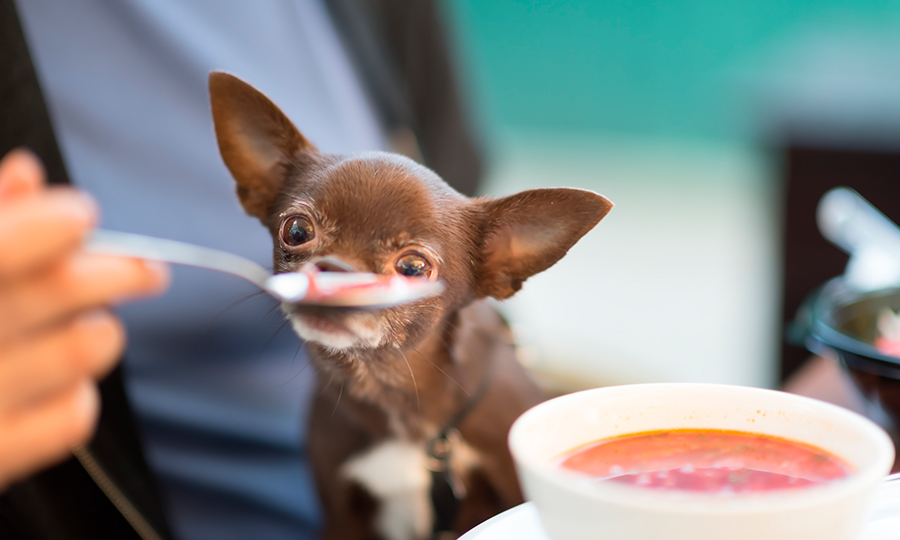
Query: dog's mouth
(337,328)
(330,321)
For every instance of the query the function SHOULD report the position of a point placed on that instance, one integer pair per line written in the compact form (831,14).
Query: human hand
(56,335)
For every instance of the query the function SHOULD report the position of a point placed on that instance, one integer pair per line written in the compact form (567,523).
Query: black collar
(447,489)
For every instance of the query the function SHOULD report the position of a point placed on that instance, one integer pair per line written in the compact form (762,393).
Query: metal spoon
(290,287)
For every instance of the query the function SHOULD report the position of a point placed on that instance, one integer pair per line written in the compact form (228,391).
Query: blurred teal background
(658,69)
(676,111)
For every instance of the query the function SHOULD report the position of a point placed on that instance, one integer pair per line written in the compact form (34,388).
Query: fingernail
(87,209)
(88,401)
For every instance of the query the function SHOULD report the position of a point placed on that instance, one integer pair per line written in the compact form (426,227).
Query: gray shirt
(220,387)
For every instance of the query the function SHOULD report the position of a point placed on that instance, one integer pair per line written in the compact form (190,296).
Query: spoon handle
(173,251)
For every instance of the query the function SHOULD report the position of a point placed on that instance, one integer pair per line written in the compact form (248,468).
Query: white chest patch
(395,473)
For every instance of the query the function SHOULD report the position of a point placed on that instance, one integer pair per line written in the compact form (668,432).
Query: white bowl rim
(677,501)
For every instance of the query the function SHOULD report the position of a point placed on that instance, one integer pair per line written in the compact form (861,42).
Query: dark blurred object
(400,49)
(24,120)
(809,259)
(839,319)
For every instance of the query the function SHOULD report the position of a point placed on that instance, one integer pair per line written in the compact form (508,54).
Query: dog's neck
(419,385)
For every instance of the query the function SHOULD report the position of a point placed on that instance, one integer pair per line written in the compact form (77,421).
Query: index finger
(21,173)
(38,229)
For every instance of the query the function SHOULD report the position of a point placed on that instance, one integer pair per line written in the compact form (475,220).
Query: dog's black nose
(333,264)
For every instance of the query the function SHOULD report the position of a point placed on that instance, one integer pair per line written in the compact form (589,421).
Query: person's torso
(218,383)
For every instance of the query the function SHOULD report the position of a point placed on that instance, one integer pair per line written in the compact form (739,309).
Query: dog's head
(383,213)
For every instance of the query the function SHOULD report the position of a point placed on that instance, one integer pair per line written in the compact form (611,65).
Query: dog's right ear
(530,231)
(257,141)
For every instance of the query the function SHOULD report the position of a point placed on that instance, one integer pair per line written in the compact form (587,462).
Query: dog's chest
(396,473)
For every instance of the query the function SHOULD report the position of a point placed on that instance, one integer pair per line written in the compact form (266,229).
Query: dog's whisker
(294,376)
(318,372)
(411,374)
(338,402)
(270,340)
(306,365)
(442,371)
(294,359)
(312,361)
(327,385)
(451,325)
(229,307)
(271,310)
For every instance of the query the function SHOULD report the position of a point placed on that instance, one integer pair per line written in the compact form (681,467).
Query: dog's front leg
(335,435)
(373,486)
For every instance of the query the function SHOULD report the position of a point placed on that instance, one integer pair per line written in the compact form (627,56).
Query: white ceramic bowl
(573,506)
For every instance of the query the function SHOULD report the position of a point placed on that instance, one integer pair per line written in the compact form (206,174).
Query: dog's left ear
(257,141)
(528,232)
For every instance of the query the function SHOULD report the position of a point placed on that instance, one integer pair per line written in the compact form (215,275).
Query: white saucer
(523,523)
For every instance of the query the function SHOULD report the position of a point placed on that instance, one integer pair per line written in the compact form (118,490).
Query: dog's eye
(297,230)
(413,264)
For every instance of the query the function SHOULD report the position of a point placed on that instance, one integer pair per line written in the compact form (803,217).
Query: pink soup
(707,461)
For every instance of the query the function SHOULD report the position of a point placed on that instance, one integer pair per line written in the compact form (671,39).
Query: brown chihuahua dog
(408,432)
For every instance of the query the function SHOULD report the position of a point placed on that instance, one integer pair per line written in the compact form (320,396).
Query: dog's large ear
(528,232)
(257,141)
